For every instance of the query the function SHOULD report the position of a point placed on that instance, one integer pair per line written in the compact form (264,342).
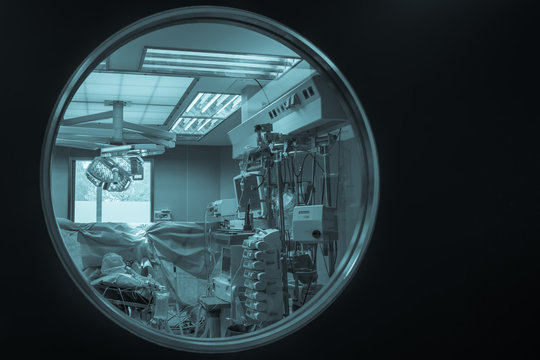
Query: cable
(315,258)
(291,178)
(206,245)
(338,136)
(262,181)
(284,171)
(325,265)
(339,168)
(313,171)
(307,292)
(323,190)
(291,171)
(316,162)
(264,92)
(337,188)
(301,176)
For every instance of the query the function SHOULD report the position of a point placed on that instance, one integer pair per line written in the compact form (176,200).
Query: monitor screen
(226,260)
(252,192)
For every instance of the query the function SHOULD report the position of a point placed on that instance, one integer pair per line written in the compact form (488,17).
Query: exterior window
(89,202)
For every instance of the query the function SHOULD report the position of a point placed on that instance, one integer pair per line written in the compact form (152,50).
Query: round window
(210,179)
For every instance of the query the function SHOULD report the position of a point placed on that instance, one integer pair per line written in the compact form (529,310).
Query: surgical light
(115,174)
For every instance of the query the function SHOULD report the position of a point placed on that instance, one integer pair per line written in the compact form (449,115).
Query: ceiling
(159,100)
(151,98)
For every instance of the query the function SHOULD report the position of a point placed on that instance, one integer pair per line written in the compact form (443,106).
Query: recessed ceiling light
(194,128)
(213,106)
(204,113)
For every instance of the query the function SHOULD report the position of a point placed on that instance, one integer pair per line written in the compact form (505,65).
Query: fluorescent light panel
(204,113)
(189,124)
(194,128)
(212,105)
(199,63)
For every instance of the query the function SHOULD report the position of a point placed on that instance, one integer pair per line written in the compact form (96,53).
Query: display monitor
(249,190)
(226,261)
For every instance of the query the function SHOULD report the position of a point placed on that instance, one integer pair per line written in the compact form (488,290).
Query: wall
(229,169)
(60,177)
(59,182)
(186,179)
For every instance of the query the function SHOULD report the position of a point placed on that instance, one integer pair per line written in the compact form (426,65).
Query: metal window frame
(71,185)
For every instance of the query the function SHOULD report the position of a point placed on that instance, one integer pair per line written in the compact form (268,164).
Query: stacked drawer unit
(262,276)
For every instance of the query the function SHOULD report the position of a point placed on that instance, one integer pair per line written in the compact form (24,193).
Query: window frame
(71,185)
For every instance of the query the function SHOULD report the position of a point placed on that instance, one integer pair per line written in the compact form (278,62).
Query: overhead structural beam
(94,139)
(79,144)
(103,139)
(87,118)
(167,143)
(150,131)
(71,134)
(84,131)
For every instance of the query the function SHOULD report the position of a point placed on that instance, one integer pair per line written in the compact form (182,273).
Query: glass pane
(257,228)
(132,205)
(85,194)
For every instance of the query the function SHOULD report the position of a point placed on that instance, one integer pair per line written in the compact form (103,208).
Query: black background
(449,90)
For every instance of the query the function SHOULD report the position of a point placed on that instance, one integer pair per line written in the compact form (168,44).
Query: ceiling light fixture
(189,124)
(221,64)
(204,124)
(210,103)
(208,110)
(227,104)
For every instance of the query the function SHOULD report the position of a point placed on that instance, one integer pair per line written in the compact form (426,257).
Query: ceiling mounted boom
(83,132)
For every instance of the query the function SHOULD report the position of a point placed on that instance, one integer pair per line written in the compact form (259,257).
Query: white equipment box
(222,284)
(314,223)
(225,207)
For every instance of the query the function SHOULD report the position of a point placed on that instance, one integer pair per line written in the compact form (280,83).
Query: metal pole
(99,203)
(279,183)
(326,177)
(118,121)
(295,180)
(311,199)
(268,202)
(328,202)
(283,259)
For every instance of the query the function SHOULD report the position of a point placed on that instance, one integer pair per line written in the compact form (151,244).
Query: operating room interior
(205,180)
